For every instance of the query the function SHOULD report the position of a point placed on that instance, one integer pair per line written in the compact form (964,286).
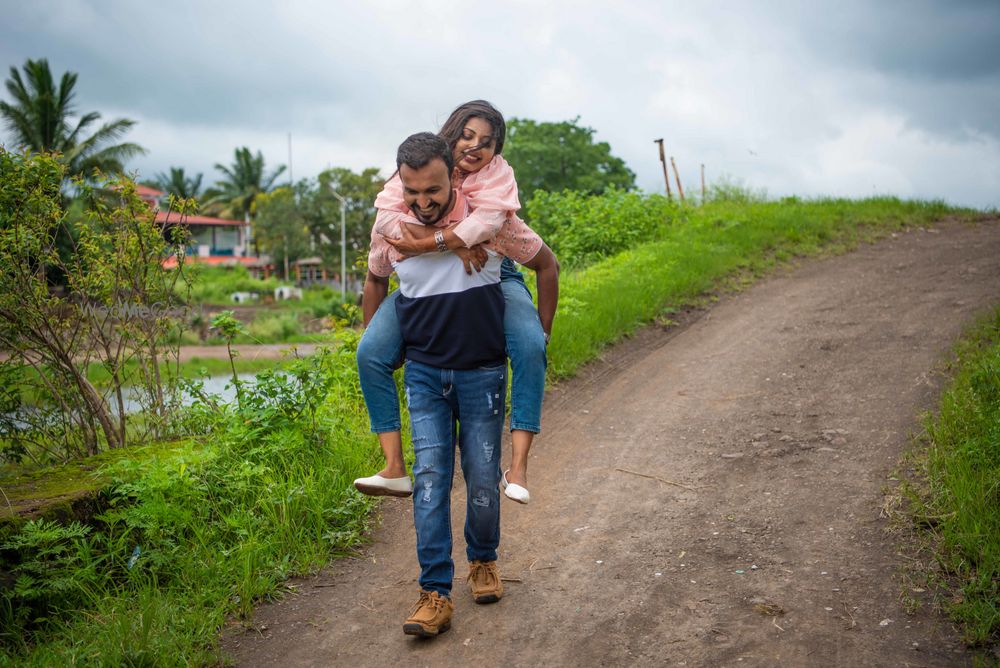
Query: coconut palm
(179,184)
(41,120)
(243,181)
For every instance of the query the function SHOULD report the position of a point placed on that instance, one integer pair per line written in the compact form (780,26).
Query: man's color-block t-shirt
(450,319)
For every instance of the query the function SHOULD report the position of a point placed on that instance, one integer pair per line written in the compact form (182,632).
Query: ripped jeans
(438,399)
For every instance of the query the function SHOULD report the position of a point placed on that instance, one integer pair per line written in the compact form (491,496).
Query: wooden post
(680,191)
(702,183)
(663,161)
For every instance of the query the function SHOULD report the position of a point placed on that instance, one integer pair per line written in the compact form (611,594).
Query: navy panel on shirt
(448,318)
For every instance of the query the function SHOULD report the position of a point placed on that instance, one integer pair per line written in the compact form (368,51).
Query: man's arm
(374,293)
(546,268)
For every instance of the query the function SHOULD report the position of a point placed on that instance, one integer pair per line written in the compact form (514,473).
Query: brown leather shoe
(430,616)
(484,581)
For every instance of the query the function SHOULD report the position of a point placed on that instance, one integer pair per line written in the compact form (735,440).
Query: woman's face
(476,132)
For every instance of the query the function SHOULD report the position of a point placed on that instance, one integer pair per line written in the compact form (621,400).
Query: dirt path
(779,412)
(264,351)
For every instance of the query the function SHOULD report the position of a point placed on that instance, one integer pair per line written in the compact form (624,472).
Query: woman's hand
(472,258)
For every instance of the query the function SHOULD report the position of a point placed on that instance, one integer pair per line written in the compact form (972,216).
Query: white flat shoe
(513,491)
(376,485)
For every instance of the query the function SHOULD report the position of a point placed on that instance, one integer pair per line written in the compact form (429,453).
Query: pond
(220,386)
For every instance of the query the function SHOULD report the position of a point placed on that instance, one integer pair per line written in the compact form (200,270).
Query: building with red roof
(213,241)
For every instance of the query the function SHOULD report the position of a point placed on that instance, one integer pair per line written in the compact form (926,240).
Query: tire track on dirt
(781,411)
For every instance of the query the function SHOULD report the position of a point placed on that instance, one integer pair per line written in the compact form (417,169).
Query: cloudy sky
(844,98)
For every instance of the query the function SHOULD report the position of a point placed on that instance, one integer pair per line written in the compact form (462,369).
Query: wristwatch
(547,337)
(439,241)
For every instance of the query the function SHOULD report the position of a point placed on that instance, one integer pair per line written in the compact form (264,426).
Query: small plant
(229,327)
(56,569)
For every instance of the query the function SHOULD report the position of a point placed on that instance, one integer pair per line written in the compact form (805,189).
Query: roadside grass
(955,499)
(707,248)
(203,529)
(198,530)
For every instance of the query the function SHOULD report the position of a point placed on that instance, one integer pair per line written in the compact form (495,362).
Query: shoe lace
(427,598)
(482,573)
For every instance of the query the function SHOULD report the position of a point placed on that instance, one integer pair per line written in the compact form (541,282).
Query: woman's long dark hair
(451,131)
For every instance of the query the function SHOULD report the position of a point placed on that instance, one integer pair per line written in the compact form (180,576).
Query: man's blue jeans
(437,399)
(381,350)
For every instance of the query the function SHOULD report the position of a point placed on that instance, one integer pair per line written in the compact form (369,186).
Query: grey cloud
(920,39)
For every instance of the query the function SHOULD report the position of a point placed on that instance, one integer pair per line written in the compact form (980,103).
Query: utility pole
(663,161)
(343,247)
(702,183)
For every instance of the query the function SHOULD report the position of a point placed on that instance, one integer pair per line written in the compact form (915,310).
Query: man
(452,327)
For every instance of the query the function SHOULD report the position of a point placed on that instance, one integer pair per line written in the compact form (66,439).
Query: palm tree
(177,183)
(40,119)
(243,181)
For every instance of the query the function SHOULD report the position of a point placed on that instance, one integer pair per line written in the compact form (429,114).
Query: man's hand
(414,239)
(472,258)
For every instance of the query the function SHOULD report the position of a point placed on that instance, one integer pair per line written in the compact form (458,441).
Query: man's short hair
(420,149)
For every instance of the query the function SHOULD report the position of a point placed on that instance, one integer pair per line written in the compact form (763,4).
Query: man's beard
(443,211)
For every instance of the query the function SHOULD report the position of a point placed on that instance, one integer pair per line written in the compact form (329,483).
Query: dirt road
(264,351)
(776,416)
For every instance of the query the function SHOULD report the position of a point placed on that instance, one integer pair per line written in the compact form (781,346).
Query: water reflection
(134,399)
(220,386)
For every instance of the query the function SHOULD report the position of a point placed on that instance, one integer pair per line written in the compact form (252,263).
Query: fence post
(680,190)
(663,161)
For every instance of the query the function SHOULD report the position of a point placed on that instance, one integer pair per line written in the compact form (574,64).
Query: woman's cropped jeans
(380,352)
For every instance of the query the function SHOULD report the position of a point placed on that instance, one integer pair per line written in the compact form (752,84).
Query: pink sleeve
(381,255)
(518,241)
(492,187)
(391,197)
(492,195)
(480,226)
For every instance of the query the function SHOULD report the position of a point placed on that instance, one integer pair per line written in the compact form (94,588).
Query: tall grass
(960,500)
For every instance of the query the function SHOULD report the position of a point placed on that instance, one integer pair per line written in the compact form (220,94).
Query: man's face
(427,191)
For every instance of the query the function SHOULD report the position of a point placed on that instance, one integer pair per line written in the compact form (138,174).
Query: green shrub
(273,327)
(215,285)
(582,229)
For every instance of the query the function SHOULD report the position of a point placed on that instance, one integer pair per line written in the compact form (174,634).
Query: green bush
(582,229)
(273,327)
(215,285)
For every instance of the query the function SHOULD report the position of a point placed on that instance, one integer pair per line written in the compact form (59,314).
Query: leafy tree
(282,231)
(41,120)
(560,156)
(293,222)
(179,184)
(320,208)
(235,195)
(114,310)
